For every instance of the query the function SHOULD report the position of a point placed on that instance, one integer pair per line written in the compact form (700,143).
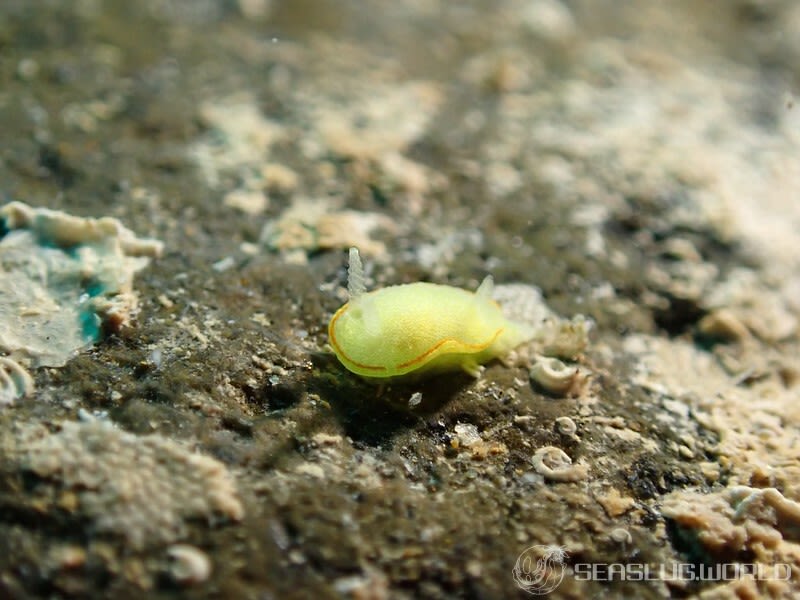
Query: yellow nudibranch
(419,328)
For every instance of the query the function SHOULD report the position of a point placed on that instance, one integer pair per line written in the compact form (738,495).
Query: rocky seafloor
(180,181)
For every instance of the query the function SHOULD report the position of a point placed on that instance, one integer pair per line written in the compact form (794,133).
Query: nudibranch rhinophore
(419,328)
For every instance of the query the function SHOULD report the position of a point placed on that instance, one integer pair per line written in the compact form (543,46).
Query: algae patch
(62,278)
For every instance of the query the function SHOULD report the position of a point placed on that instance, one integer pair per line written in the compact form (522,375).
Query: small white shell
(554,376)
(621,535)
(554,464)
(189,565)
(566,426)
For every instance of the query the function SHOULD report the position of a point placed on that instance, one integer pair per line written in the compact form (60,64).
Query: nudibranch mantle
(419,328)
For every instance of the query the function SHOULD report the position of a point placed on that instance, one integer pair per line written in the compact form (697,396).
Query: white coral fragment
(239,140)
(67,231)
(760,523)
(61,278)
(311,226)
(385,120)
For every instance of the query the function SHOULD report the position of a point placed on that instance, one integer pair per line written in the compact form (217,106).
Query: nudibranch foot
(472,368)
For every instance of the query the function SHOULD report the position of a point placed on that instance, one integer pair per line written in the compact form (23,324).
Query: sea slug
(419,328)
